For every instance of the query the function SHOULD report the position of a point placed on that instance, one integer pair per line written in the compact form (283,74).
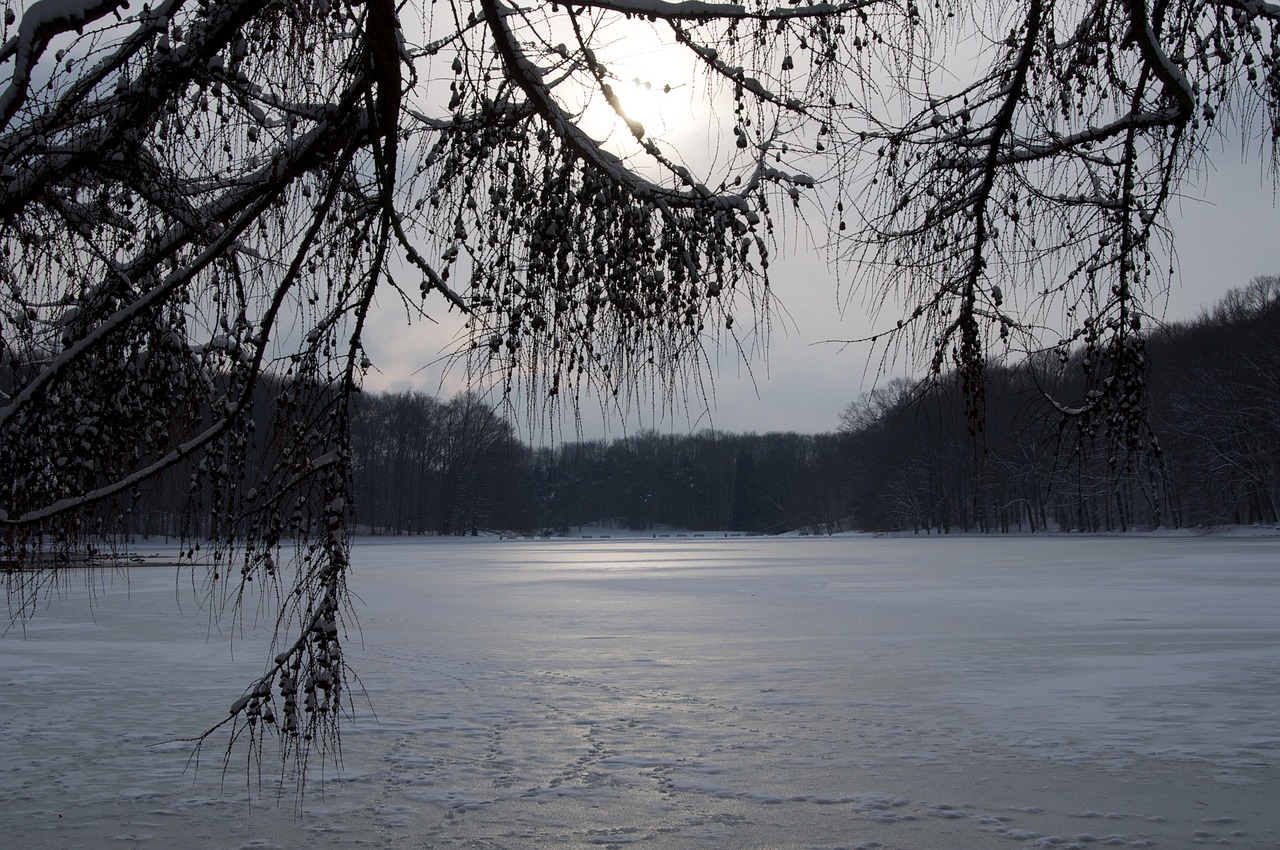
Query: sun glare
(654,89)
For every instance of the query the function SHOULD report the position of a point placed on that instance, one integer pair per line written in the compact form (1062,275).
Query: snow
(719,692)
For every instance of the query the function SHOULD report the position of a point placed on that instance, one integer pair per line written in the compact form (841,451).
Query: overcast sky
(1226,230)
(1227,233)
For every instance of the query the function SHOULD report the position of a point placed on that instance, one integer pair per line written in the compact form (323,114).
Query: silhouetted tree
(196,193)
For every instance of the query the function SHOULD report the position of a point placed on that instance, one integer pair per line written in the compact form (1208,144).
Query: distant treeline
(905,457)
(1212,456)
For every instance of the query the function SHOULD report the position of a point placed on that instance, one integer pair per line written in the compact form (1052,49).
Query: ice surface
(709,693)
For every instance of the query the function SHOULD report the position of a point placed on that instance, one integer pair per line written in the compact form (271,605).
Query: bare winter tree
(196,193)
(1018,191)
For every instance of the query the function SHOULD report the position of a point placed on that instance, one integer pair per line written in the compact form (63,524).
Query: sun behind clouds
(651,90)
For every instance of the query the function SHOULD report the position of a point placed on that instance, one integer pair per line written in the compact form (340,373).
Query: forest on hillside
(905,457)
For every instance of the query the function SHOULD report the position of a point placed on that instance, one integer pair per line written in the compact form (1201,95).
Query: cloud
(1225,226)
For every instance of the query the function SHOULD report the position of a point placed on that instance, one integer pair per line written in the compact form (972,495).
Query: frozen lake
(926,694)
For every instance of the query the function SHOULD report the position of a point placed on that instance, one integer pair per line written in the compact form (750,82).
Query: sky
(1225,228)
(1227,232)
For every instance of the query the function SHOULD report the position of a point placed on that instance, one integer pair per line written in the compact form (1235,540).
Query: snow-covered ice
(944,692)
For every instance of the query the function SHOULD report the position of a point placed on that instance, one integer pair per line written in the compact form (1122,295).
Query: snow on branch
(700,10)
(41,22)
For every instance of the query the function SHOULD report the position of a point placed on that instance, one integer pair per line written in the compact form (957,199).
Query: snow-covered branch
(41,23)
(706,10)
